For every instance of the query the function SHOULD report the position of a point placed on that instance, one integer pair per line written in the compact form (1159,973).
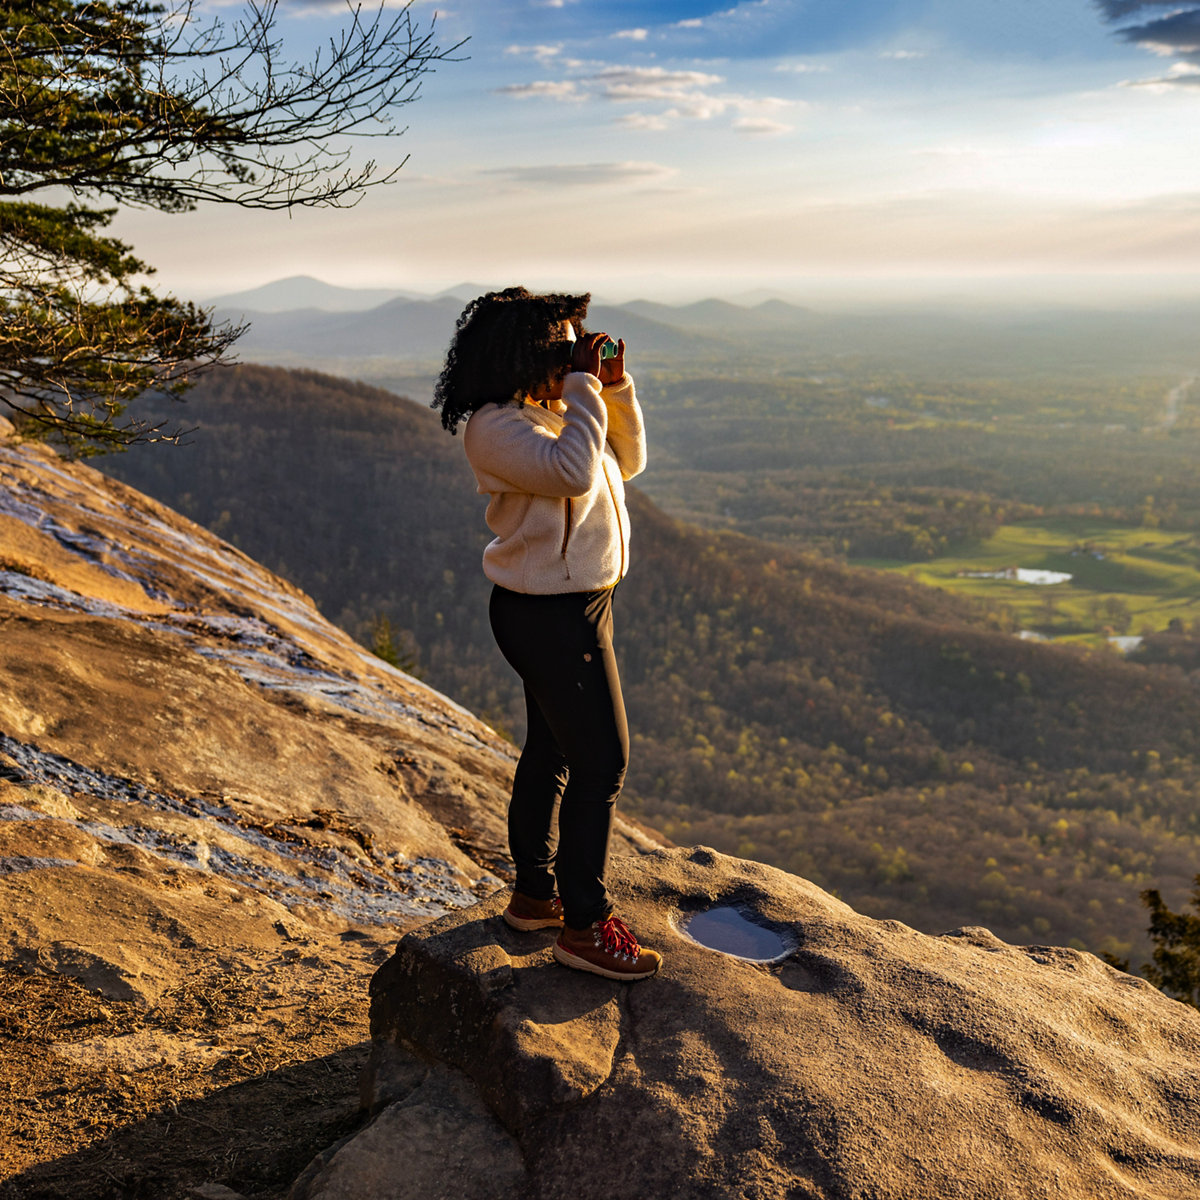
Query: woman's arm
(509,452)
(626,431)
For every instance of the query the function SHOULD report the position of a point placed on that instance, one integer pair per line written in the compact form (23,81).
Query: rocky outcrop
(869,1060)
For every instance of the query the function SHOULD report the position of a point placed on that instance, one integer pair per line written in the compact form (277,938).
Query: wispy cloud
(583,174)
(633,35)
(543,54)
(1178,33)
(1118,10)
(742,15)
(646,121)
(1182,74)
(760,126)
(650,83)
(803,68)
(902,54)
(682,95)
(555,89)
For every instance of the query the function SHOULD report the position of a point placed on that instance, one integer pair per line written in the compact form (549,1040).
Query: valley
(1121,582)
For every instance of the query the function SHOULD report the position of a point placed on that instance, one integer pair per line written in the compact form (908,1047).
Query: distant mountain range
(304,292)
(402,327)
(305,322)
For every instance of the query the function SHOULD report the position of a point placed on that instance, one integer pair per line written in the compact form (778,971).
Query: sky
(683,148)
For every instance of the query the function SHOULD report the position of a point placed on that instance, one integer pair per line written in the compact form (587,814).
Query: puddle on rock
(731,931)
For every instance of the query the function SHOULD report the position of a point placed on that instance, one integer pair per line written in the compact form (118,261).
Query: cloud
(760,126)
(695,108)
(555,89)
(681,95)
(542,53)
(903,54)
(1180,75)
(690,23)
(687,92)
(583,174)
(1178,33)
(643,121)
(1118,10)
(741,10)
(634,35)
(803,68)
(1174,35)
(650,83)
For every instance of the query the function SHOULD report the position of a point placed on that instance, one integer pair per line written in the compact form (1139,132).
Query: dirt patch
(233,1077)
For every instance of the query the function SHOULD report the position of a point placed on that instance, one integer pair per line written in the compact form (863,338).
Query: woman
(554,428)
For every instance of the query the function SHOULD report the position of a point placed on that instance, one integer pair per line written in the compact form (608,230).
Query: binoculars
(608,349)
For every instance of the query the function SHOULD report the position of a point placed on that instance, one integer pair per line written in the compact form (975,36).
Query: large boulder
(868,1060)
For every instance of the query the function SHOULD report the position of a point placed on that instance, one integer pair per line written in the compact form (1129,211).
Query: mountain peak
(306,292)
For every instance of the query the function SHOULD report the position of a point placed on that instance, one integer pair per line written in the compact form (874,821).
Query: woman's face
(552,389)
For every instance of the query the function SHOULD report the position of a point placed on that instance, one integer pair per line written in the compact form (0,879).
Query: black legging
(577,747)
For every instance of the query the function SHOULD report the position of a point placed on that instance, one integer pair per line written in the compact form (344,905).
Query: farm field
(1125,581)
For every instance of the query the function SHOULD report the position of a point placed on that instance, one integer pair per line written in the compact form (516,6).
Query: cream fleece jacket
(555,481)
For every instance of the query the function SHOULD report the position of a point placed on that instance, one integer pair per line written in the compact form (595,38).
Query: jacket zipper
(617,513)
(566,536)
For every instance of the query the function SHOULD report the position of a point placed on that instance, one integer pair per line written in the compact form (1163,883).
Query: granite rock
(870,1060)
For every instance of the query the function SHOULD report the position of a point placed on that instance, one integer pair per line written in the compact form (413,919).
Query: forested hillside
(877,737)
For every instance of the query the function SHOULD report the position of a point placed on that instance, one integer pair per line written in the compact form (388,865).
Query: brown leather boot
(606,948)
(525,913)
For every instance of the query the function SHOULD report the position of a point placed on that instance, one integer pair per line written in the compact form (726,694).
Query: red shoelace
(617,938)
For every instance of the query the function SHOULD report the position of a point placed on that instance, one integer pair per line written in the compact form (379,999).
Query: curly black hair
(506,344)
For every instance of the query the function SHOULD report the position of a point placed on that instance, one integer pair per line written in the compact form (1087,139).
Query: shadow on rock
(254,1137)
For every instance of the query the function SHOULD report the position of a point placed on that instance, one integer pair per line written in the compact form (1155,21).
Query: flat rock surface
(870,1061)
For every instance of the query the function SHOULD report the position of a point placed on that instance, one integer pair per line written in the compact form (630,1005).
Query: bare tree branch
(149,105)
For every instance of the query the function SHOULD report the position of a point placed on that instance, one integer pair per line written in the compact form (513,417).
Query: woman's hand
(612,370)
(586,355)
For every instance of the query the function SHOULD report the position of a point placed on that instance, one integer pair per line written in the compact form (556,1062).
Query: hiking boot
(525,913)
(606,948)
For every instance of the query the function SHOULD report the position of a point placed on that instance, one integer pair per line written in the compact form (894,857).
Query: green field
(1123,580)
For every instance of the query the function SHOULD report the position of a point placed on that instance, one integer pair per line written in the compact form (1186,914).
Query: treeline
(884,740)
